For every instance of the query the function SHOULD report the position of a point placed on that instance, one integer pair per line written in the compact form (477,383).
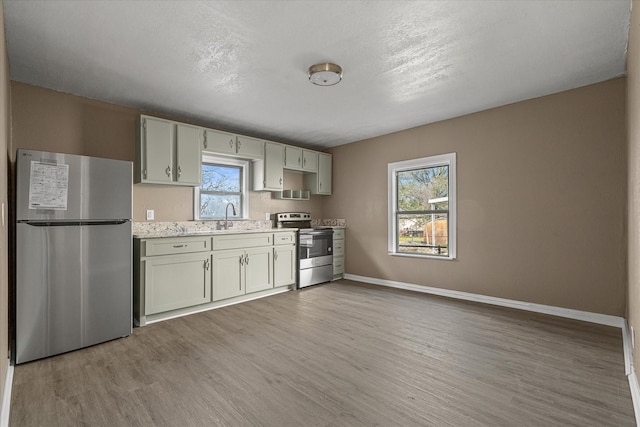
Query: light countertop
(153,230)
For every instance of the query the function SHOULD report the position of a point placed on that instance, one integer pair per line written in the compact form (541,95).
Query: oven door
(315,244)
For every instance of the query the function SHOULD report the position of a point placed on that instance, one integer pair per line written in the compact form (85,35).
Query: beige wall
(5,112)
(541,201)
(541,191)
(633,129)
(53,121)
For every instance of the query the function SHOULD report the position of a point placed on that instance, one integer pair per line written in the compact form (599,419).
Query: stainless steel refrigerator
(73,253)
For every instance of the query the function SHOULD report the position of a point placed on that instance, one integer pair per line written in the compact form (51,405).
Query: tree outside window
(423,210)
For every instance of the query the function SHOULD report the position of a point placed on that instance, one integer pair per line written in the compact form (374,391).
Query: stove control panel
(293,216)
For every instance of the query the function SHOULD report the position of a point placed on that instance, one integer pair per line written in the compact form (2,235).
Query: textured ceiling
(241,65)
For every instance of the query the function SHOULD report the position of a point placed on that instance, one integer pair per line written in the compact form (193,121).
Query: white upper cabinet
(324,174)
(310,161)
(249,148)
(320,183)
(167,153)
(219,142)
(228,144)
(170,153)
(268,172)
(300,159)
(292,157)
(154,151)
(188,160)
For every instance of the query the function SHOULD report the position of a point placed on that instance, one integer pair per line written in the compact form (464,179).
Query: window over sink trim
(242,208)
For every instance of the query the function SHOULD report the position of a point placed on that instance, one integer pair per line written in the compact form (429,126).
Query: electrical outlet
(150,214)
(633,338)
(267,216)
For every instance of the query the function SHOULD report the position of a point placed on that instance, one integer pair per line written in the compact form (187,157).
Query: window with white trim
(224,181)
(422,207)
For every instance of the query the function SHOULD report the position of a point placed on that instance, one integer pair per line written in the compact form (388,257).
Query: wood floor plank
(341,354)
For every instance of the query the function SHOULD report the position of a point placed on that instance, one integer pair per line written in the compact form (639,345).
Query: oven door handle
(317,233)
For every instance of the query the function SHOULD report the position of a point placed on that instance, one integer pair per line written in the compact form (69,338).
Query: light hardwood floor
(341,354)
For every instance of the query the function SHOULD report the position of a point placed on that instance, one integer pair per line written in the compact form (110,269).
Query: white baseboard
(587,316)
(627,348)
(635,394)
(6,396)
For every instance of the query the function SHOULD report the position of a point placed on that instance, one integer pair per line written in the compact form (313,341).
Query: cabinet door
(309,161)
(173,282)
(324,173)
(258,267)
(250,148)
(188,157)
(157,150)
(273,164)
(219,142)
(227,272)
(292,157)
(284,265)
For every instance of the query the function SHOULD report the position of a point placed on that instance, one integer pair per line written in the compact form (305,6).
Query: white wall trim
(630,371)
(6,396)
(635,394)
(587,316)
(627,348)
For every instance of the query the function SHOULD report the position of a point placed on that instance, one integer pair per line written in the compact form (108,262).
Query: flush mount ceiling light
(326,74)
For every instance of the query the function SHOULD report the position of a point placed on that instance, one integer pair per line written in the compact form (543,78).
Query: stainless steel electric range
(315,248)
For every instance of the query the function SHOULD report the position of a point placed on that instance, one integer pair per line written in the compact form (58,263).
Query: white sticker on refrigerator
(48,186)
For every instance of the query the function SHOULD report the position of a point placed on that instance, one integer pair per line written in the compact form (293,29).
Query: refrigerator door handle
(72,223)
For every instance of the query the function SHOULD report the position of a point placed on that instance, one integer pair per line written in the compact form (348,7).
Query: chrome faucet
(226,214)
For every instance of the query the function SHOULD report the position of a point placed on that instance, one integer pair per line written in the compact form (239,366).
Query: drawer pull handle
(179,246)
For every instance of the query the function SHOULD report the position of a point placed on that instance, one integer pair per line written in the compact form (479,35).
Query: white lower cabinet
(236,272)
(227,274)
(175,276)
(258,269)
(338,253)
(284,265)
(177,281)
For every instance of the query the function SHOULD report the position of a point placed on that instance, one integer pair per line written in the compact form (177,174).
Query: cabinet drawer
(240,241)
(172,246)
(338,248)
(338,265)
(338,233)
(284,238)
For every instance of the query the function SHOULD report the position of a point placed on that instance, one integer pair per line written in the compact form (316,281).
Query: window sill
(444,258)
